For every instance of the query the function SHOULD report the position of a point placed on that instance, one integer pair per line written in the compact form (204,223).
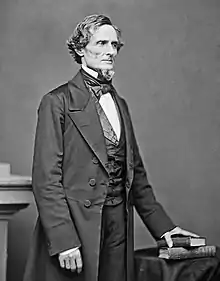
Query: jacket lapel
(83,113)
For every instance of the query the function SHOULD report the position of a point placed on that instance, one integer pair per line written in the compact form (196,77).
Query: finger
(188,233)
(79,264)
(61,260)
(72,263)
(67,263)
(181,231)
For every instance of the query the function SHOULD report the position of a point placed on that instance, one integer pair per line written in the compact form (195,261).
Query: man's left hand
(177,230)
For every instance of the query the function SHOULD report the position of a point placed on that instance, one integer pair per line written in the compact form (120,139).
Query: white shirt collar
(90,71)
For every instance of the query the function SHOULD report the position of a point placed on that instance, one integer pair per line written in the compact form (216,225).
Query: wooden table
(148,267)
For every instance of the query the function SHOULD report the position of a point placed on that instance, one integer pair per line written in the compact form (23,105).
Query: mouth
(108,61)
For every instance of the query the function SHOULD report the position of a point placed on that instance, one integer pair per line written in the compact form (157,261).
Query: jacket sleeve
(149,209)
(47,177)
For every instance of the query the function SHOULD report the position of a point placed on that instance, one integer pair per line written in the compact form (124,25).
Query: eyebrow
(105,41)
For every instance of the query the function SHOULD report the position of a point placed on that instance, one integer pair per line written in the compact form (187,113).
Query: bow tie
(98,86)
(101,90)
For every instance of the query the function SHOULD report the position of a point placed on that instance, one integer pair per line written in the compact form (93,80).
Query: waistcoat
(116,149)
(116,168)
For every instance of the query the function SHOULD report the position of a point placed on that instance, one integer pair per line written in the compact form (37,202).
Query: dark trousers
(112,262)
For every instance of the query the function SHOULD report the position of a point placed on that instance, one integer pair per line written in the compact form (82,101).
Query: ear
(79,52)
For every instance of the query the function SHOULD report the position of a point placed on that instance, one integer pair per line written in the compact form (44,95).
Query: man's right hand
(71,259)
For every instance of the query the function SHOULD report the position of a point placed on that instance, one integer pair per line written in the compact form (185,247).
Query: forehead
(104,32)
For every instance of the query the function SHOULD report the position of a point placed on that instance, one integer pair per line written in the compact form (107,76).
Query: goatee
(107,73)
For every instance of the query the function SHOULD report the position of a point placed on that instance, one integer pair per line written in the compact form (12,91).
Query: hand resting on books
(177,230)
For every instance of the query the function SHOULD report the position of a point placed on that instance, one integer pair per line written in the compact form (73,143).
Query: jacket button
(92,182)
(87,203)
(95,160)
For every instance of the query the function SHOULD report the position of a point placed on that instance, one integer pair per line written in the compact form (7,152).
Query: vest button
(87,203)
(127,184)
(92,182)
(95,160)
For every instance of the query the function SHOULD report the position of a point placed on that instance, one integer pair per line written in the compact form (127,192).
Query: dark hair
(83,32)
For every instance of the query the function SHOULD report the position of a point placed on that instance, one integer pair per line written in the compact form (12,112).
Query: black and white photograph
(109,140)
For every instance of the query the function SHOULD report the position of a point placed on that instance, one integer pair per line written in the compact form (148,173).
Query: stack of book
(185,247)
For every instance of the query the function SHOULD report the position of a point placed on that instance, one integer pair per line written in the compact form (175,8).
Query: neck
(106,74)
(89,70)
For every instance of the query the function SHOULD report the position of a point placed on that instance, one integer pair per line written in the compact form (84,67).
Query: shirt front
(108,105)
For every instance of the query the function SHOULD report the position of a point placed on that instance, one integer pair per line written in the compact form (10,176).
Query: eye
(101,43)
(115,45)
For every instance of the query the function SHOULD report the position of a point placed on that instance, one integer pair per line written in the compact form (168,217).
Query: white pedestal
(15,194)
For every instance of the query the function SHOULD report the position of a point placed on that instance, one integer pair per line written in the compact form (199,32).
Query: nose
(111,50)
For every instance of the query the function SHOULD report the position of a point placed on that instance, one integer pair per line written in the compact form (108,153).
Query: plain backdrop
(168,71)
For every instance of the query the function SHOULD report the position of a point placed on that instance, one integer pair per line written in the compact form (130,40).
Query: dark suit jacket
(69,184)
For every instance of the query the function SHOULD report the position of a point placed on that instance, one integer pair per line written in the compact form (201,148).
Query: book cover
(178,253)
(183,241)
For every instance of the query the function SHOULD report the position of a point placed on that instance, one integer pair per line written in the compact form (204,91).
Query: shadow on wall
(169,73)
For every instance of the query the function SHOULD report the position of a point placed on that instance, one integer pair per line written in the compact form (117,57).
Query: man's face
(101,50)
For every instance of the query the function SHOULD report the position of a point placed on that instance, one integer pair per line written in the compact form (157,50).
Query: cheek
(95,54)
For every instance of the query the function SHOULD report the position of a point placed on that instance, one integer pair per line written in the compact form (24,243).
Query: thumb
(168,239)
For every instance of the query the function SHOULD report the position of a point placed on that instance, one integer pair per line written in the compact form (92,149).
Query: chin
(107,66)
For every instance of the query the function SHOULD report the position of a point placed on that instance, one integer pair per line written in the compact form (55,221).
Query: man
(88,173)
